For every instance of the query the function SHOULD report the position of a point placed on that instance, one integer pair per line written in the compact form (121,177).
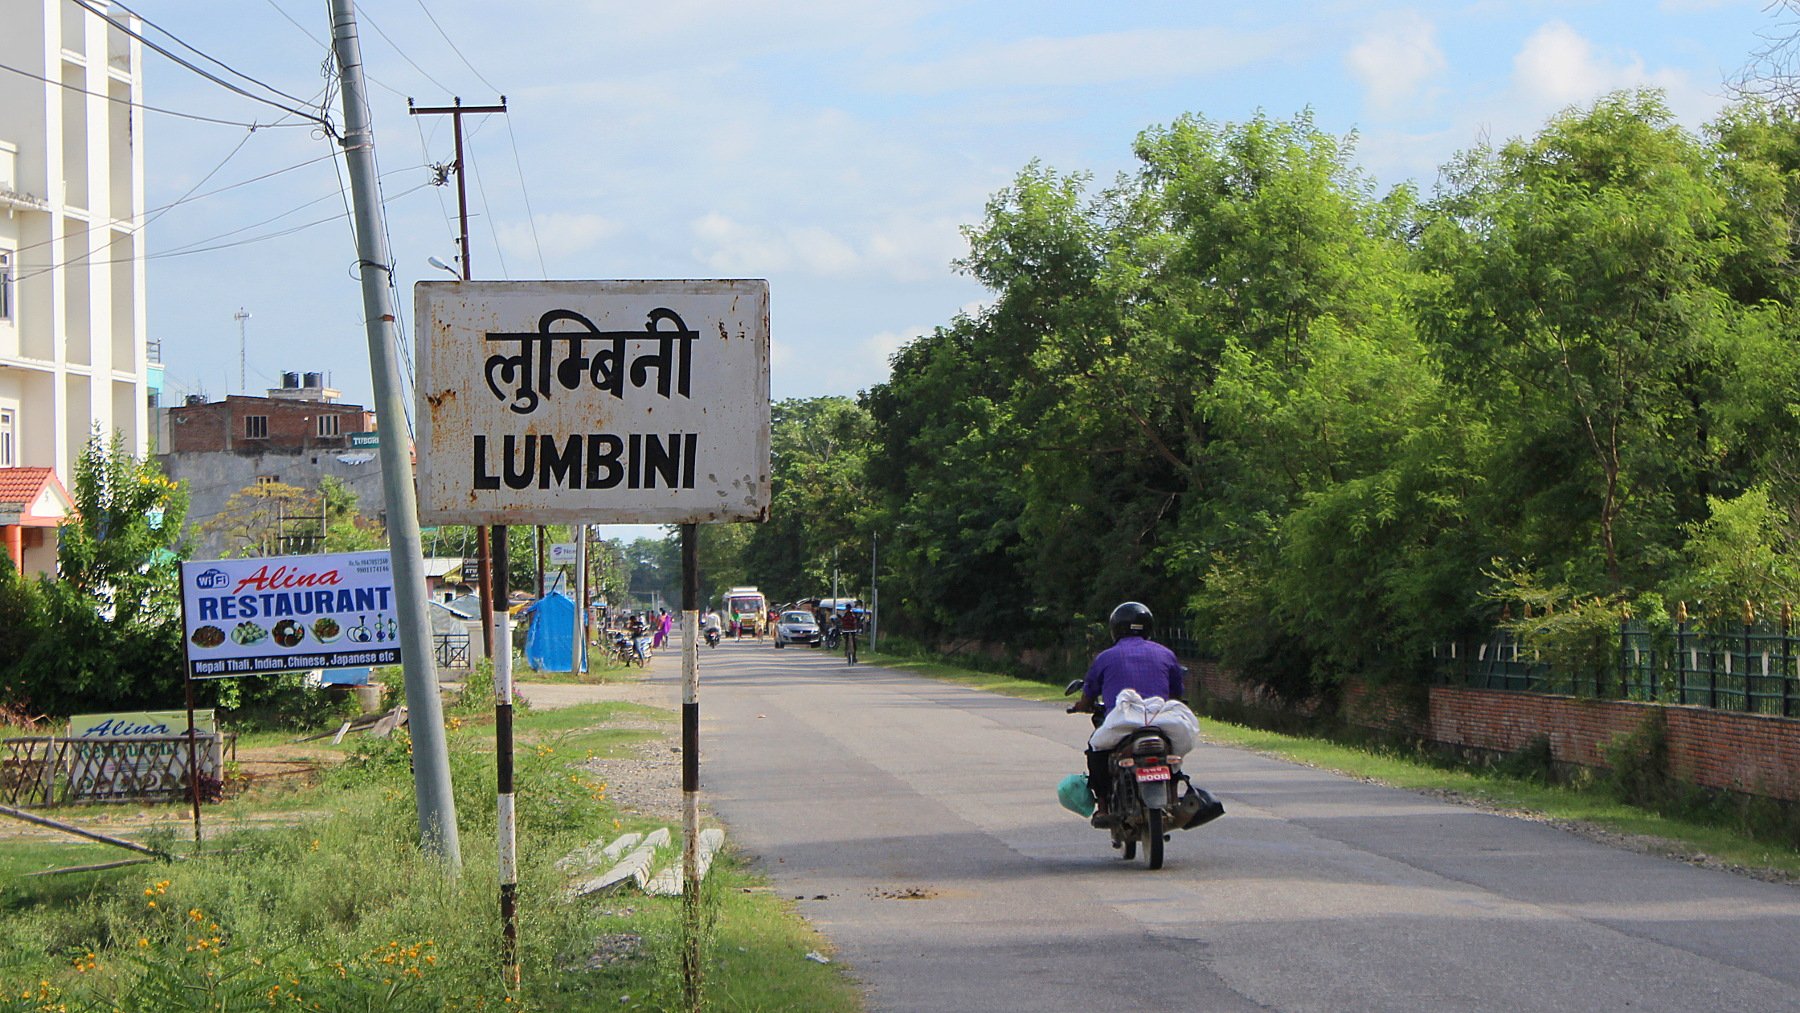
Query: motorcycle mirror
(1074,684)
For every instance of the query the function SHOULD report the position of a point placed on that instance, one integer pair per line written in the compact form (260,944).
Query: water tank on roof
(194,399)
(315,380)
(290,380)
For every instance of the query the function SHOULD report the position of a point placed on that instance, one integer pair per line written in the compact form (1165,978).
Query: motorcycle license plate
(1153,773)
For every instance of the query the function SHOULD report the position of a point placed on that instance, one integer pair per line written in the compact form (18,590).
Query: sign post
(262,616)
(613,402)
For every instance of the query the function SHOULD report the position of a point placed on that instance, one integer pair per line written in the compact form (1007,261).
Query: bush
(477,693)
(1535,762)
(105,632)
(283,702)
(1639,764)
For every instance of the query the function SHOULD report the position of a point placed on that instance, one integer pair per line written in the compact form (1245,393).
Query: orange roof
(24,492)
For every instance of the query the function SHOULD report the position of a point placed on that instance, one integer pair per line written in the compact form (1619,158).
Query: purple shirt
(1133,663)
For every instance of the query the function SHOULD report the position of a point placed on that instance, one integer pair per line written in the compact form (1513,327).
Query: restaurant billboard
(288,613)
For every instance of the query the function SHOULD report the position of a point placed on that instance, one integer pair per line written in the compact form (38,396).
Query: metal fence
(50,771)
(1751,668)
(452,649)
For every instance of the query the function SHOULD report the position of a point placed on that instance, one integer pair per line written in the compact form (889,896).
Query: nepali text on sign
(603,401)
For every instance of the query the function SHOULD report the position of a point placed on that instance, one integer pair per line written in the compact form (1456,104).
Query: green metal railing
(1752,668)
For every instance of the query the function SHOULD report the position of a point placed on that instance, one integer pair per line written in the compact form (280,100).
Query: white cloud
(900,249)
(1394,63)
(1558,66)
(885,344)
(559,234)
(860,366)
(1108,58)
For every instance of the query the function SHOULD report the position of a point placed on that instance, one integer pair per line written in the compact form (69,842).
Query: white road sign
(593,401)
(563,552)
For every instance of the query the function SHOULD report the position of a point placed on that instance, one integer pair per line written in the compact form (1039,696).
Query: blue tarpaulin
(550,640)
(344,677)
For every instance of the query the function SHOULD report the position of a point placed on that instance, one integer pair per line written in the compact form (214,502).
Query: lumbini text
(586,461)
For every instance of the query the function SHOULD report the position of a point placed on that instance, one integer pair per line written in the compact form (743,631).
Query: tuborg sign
(597,401)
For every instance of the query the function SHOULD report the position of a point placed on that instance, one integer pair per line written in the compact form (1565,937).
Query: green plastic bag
(1074,795)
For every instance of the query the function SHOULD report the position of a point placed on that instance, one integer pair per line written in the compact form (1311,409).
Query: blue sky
(835,148)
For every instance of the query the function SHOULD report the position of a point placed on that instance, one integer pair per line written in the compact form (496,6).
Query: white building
(73,355)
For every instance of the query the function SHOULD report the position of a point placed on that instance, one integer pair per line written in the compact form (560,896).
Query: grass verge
(336,907)
(1717,835)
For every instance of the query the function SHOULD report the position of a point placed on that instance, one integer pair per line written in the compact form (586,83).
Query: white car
(796,627)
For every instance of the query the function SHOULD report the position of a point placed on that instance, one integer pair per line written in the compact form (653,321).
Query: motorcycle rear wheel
(1153,838)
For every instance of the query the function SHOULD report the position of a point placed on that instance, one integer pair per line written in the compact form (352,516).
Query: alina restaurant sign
(593,401)
(289,613)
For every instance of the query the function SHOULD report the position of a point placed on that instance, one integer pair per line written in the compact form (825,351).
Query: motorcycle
(629,649)
(1150,794)
(712,636)
(830,637)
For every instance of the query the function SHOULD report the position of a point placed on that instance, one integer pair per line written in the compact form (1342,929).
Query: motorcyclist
(1134,661)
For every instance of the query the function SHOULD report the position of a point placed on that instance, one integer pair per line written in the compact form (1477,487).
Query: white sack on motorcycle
(1131,712)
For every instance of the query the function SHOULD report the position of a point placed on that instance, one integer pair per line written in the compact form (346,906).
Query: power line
(147,108)
(364,14)
(530,216)
(325,46)
(204,56)
(187,198)
(191,248)
(425,153)
(488,213)
(210,76)
(459,53)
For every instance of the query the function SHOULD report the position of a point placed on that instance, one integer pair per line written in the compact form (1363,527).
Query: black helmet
(1132,619)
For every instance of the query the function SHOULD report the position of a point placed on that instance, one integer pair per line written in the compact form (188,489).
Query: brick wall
(1751,753)
(291,425)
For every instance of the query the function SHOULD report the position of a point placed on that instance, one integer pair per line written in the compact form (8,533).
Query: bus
(747,609)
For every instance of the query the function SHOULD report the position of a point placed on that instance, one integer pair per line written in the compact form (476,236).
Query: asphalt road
(919,821)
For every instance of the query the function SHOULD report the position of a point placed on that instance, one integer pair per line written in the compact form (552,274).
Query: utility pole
(496,611)
(483,549)
(431,758)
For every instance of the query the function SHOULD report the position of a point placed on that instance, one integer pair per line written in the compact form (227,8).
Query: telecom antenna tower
(243,354)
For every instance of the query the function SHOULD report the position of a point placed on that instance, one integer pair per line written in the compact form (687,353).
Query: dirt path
(647,782)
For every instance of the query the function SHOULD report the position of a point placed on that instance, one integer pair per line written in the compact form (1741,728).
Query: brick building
(297,435)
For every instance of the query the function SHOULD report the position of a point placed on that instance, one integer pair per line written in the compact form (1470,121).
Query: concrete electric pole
(431,757)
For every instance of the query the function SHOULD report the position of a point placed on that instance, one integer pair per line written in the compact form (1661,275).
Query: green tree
(1581,287)
(347,530)
(106,632)
(820,498)
(266,519)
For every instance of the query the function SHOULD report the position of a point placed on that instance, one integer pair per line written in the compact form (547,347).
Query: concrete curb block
(670,881)
(635,866)
(586,857)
